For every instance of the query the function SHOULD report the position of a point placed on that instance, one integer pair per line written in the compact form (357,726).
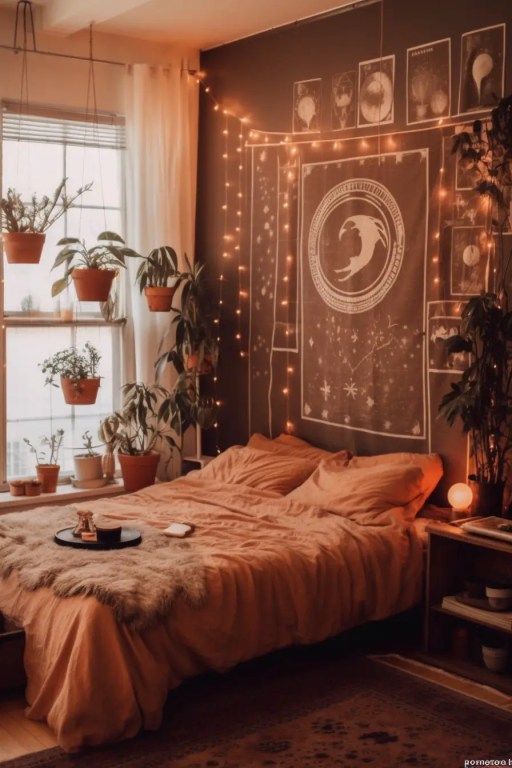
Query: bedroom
(256,385)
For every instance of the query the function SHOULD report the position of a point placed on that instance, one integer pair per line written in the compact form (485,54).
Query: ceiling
(196,23)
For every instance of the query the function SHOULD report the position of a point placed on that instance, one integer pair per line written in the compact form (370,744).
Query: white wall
(63,82)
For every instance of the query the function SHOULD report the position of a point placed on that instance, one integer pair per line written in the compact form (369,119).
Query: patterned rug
(306,708)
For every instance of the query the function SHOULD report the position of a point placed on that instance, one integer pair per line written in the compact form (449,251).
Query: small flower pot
(33,488)
(23,247)
(93,284)
(495,659)
(160,299)
(499,598)
(87,468)
(487,498)
(17,487)
(80,391)
(138,471)
(48,475)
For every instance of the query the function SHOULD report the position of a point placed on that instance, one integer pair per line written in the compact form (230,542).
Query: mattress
(278,572)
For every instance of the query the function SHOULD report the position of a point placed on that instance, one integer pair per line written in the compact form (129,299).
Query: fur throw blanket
(140,584)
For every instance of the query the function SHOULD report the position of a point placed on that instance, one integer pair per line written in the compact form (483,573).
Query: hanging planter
(93,284)
(25,224)
(153,276)
(23,247)
(160,298)
(91,269)
(78,374)
(80,391)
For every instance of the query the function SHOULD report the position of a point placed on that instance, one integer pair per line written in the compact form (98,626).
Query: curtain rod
(64,55)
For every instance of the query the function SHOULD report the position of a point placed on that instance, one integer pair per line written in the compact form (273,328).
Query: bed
(277,570)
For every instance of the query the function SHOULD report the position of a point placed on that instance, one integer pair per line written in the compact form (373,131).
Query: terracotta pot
(33,488)
(193,364)
(23,247)
(487,498)
(93,284)
(48,474)
(138,471)
(17,488)
(87,467)
(80,392)
(160,299)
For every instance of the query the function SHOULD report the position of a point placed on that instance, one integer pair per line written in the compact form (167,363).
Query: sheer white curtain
(162,125)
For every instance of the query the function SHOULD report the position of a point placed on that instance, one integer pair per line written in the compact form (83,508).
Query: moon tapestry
(482,68)
(363,260)
(428,82)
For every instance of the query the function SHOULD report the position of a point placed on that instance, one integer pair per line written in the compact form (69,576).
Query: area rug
(307,708)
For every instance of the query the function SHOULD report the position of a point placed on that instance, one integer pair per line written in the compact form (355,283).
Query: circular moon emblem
(356,245)
(471,255)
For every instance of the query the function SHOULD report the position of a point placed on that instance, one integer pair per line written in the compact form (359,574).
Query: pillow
(430,464)
(362,494)
(258,469)
(288,445)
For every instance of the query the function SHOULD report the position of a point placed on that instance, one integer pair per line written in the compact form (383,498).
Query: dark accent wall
(255,77)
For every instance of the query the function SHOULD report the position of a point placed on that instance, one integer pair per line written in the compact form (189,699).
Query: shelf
(467,669)
(472,620)
(64,493)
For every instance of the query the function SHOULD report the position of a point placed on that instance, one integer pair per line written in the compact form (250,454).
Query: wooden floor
(18,734)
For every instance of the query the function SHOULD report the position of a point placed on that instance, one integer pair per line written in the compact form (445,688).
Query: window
(38,150)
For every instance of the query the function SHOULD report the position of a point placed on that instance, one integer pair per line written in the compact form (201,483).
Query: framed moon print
(429,82)
(343,100)
(307,105)
(470,261)
(376,92)
(482,68)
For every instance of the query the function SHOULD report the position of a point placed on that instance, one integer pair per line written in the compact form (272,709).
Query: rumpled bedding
(278,572)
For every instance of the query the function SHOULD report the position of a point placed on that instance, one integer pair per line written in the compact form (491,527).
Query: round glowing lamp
(460,497)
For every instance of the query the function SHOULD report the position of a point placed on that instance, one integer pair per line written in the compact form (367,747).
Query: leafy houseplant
(482,398)
(24,224)
(195,347)
(78,373)
(47,458)
(136,430)
(87,464)
(92,269)
(186,407)
(153,275)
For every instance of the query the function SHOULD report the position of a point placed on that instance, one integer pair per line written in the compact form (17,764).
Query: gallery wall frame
(431,96)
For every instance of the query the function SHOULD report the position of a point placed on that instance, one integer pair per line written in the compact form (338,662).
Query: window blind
(49,125)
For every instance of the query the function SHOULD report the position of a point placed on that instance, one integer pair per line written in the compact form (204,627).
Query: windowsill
(64,493)
(50,320)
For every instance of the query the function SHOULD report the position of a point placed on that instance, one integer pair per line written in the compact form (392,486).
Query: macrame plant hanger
(25,19)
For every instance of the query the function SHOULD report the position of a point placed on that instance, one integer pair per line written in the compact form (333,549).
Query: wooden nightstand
(454,557)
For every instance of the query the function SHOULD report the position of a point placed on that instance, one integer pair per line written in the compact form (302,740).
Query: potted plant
(24,224)
(194,347)
(136,430)
(88,465)
(153,276)
(482,398)
(185,407)
(47,458)
(78,372)
(91,269)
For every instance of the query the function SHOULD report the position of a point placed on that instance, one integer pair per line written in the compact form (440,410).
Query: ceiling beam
(68,16)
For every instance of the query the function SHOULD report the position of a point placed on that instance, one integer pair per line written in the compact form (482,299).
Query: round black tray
(130,537)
